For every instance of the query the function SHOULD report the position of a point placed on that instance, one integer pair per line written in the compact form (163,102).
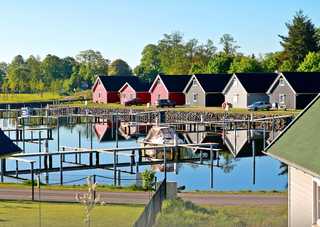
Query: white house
(244,89)
(299,147)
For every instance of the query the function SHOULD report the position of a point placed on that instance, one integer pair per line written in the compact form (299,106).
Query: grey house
(244,89)
(294,90)
(206,89)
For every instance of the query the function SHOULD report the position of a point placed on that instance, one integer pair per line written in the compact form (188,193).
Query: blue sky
(121,28)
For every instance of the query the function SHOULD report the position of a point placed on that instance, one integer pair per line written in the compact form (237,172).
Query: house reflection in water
(105,132)
(239,142)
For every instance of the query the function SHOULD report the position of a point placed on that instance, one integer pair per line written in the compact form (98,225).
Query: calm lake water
(236,173)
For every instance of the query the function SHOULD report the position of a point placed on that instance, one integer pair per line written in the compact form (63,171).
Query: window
(281,82)
(99,94)
(159,96)
(195,97)
(316,201)
(235,82)
(131,96)
(282,98)
(235,99)
(194,83)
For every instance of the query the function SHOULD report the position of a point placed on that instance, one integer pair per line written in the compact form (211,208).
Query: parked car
(166,103)
(260,105)
(135,101)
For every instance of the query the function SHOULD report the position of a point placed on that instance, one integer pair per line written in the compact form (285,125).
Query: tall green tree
(311,63)
(149,65)
(3,70)
(92,63)
(271,61)
(173,54)
(229,44)
(220,63)
(52,69)
(119,68)
(241,64)
(18,75)
(301,40)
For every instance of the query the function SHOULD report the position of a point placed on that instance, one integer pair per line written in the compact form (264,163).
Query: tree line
(170,55)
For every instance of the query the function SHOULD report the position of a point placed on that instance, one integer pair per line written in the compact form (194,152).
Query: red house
(133,90)
(105,89)
(169,87)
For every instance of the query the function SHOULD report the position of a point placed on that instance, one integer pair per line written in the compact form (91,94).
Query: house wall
(236,90)
(113,97)
(144,96)
(178,97)
(300,198)
(99,93)
(303,100)
(195,89)
(215,99)
(127,94)
(254,97)
(290,97)
(159,92)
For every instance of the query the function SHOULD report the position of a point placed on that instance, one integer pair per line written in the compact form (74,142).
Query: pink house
(169,87)
(135,90)
(105,89)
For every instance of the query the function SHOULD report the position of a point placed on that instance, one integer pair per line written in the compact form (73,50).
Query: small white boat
(26,112)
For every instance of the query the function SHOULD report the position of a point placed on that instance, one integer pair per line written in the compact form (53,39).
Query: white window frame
(159,96)
(195,97)
(281,82)
(316,201)
(236,82)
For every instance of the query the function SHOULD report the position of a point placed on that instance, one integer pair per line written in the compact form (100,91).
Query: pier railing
(149,214)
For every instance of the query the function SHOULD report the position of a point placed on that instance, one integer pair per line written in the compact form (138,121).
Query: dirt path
(143,197)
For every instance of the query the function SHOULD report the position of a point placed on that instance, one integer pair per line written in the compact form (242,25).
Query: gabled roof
(138,86)
(7,147)
(173,83)
(211,83)
(298,145)
(114,83)
(255,82)
(301,82)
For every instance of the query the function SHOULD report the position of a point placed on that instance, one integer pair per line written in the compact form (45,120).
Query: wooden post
(32,181)
(201,154)
(253,162)
(211,166)
(39,148)
(79,147)
(61,167)
(91,147)
(114,168)
(119,177)
(264,136)
(17,168)
(235,141)
(165,163)
(3,169)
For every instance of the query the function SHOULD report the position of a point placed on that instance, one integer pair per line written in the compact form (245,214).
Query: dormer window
(281,82)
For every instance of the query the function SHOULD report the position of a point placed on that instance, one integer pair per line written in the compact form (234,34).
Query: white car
(260,105)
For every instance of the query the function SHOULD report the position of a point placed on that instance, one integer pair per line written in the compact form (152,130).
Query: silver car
(260,105)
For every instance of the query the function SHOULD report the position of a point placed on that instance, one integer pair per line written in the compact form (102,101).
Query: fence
(149,214)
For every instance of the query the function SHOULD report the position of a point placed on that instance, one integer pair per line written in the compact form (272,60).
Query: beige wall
(300,198)
(236,89)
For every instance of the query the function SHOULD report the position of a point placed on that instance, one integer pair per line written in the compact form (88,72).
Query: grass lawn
(26,214)
(178,213)
(46,96)
(187,109)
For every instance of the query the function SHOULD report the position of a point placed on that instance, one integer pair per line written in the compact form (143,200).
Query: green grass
(26,214)
(180,213)
(187,109)
(46,96)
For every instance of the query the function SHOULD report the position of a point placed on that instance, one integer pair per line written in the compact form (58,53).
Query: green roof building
(299,147)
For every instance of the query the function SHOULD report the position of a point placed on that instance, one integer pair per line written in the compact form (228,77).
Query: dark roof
(114,83)
(7,147)
(256,82)
(140,86)
(298,144)
(175,83)
(303,82)
(213,82)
